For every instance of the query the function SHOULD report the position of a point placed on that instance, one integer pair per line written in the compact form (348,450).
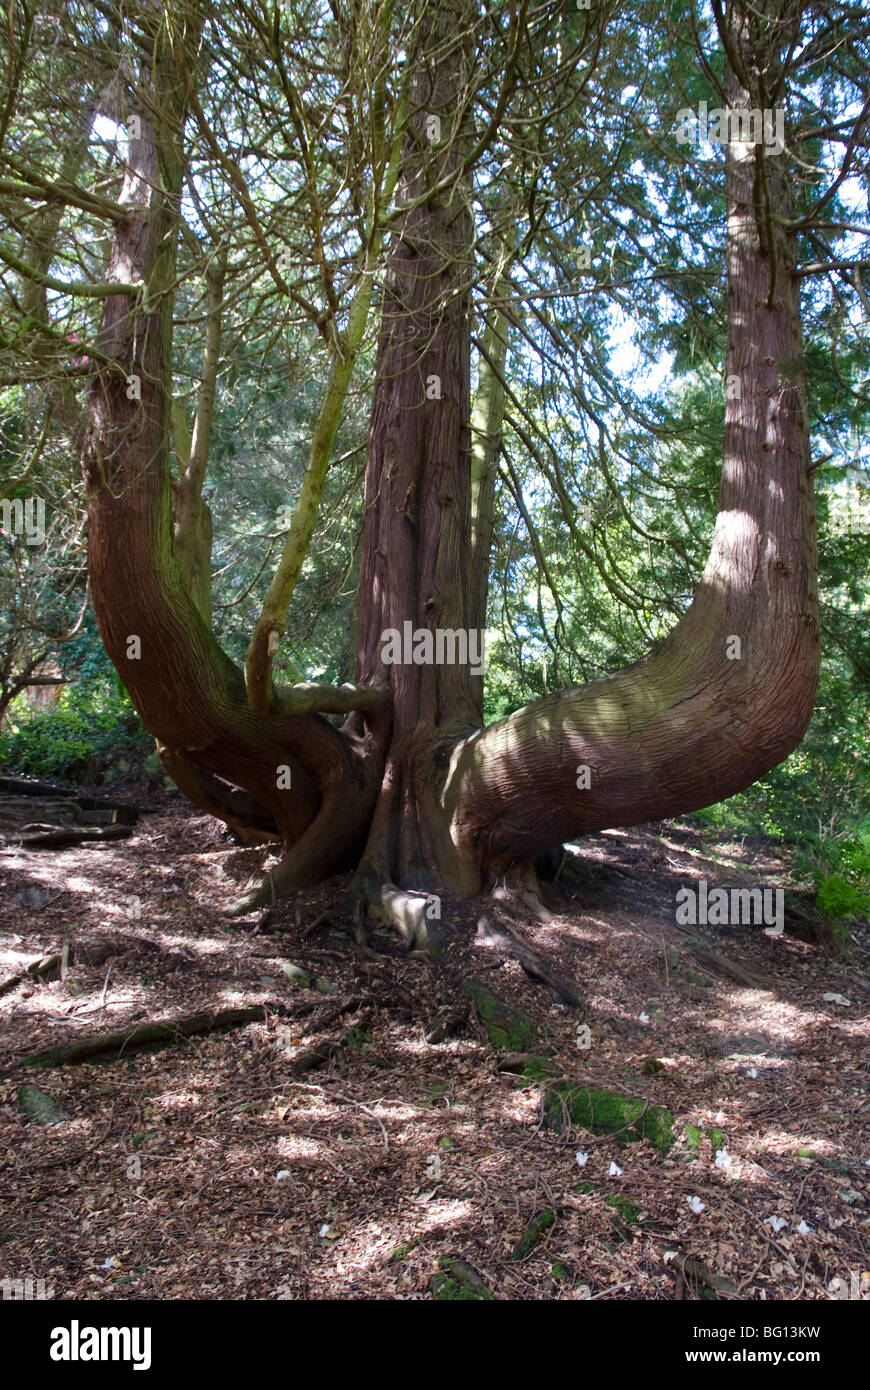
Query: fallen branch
(18,787)
(49,967)
(714,960)
(73,835)
(162,1031)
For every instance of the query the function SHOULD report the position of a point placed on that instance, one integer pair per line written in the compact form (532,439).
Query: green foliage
(818,801)
(83,739)
(839,898)
(841,869)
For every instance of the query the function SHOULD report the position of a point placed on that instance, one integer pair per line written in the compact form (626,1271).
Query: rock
(326,986)
(39,1107)
(608,1112)
(506,1027)
(34,897)
(458,1282)
(296,974)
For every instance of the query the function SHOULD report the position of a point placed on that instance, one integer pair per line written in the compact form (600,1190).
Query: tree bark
(730,692)
(412,788)
(294,771)
(416,549)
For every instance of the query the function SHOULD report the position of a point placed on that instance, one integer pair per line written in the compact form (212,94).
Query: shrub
(91,731)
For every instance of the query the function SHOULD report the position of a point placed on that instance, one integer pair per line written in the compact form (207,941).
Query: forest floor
(330,1151)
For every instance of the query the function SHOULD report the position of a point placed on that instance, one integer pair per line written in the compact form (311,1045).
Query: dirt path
(216,1168)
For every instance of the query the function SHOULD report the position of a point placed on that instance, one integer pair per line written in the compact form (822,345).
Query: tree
(411,788)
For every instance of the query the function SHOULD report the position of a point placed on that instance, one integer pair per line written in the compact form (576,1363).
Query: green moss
(585,1188)
(694,1135)
(536,1068)
(402,1251)
(695,977)
(558,1272)
(457,1282)
(608,1112)
(540,1222)
(39,1106)
(717,1139)
(626,1210)
(651,1065)
(505,1026)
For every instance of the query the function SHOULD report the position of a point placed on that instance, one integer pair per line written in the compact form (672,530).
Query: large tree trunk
(283,775)
(723,700)
(730,692)
(413,789)
(416,553)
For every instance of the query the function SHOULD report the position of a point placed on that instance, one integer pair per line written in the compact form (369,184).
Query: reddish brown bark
(441,800)
(188,692)
(692,723)
(416,552)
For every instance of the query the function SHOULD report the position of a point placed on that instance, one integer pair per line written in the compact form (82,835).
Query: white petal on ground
(775,1223)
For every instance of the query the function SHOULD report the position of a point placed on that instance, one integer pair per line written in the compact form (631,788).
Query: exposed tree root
(412,914)
(324,1052)
(533,961)
(167,1030)
(50,837)
(316,855)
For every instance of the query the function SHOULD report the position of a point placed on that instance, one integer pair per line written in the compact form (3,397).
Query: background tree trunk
(416,550)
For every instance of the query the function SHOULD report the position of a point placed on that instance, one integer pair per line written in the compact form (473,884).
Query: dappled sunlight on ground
(214,1168)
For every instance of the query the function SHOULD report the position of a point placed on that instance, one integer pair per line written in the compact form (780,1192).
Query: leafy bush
(91,731)
(842,874)
(839,898)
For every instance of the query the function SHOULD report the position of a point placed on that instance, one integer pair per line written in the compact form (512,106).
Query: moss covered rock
(457,1282)
(539,1224)
(506,1027)
(608,1112)
(694,1135)
(39,1107)
(531,1065)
